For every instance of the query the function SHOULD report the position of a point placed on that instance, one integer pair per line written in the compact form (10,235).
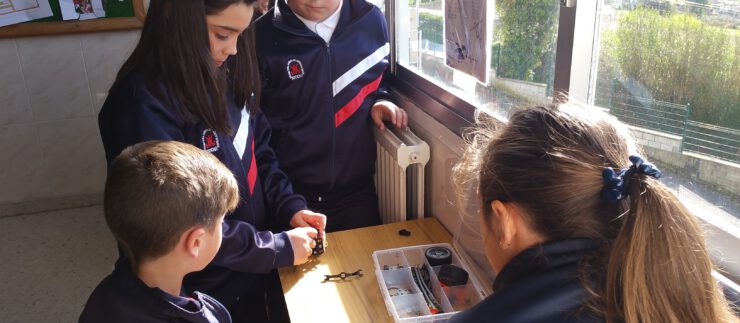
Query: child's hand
(306,218)
(387,110)
(301,239)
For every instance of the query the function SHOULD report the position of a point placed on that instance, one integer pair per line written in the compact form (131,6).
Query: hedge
(680,59)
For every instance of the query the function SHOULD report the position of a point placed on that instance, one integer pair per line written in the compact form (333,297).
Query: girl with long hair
(193,77)
(579,229)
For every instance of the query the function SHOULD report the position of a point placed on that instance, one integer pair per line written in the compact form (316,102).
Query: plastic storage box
(393,271)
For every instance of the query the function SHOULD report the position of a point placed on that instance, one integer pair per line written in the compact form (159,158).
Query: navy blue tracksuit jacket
(122,298)
(132,114)
(540,285)
(318,96)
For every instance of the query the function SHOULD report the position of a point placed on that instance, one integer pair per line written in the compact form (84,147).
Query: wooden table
(358,299)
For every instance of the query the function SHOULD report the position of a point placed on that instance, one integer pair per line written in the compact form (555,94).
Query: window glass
(379,3)
(672,70)
(522,50)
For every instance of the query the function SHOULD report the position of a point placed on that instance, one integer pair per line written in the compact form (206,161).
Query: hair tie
(617,183)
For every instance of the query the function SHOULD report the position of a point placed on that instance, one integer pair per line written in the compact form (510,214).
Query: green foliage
(430,26)
(680,59)
(526,32)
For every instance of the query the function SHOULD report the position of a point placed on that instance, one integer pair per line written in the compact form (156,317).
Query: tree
(527,30)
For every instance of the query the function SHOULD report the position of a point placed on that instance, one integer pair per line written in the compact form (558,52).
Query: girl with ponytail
(579,229)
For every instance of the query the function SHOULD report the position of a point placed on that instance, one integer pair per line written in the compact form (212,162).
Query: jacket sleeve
(383,93)
(276,184)
(245,249)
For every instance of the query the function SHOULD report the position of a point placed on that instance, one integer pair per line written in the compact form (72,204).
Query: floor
(50,262)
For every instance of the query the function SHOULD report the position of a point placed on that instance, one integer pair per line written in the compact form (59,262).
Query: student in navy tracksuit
(579,228)
(322,64)
(191,78)
(193,192)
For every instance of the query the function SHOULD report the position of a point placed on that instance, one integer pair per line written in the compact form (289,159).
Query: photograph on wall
(467,40)
(17,11)
(81,9)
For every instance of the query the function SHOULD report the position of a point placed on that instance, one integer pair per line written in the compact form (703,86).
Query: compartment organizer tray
(405,300)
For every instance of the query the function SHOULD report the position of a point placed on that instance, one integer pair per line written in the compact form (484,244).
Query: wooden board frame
(77,26)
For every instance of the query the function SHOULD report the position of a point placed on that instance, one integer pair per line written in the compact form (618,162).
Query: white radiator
(399,174)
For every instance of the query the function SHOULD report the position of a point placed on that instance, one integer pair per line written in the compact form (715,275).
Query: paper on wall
(81,9)
(467,37)
(17,11)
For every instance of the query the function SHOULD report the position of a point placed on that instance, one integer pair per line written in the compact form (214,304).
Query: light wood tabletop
(357,299)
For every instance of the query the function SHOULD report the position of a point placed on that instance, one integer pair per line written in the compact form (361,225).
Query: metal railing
(715,141)
(702,138)
(650,114)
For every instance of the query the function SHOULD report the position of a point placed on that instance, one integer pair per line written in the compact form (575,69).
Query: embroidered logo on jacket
(295,69)
(210,140)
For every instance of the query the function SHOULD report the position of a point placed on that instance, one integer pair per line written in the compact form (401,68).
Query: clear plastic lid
(467,239)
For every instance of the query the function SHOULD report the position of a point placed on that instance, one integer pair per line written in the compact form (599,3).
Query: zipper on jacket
(332,174)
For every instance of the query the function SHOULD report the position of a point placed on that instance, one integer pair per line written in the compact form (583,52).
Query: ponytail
(653,265)
(659,269)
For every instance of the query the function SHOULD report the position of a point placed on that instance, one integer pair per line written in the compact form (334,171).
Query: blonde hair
(653,265)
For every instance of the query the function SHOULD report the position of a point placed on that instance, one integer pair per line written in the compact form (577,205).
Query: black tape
(437,256)
(452,275)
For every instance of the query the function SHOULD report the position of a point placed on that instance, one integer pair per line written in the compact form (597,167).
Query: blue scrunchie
(617,183)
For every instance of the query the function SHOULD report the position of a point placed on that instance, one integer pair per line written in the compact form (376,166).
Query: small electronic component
(437,256)
(391,267)
(398,291)
(343,275)
(318,249)
(421,279)
(451,275)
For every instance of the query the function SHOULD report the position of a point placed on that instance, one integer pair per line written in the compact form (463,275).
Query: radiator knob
(414,156)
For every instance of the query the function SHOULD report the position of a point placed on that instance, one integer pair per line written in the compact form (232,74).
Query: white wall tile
(22,162)
(13,95)
(55,76)
(52,88)
(74,157)
(104,53)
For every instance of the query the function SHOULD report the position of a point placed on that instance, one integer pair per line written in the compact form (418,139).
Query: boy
(164,203)
(322,63)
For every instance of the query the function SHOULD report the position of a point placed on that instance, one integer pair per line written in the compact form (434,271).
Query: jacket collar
(154,298)
(285,18)
(542,257)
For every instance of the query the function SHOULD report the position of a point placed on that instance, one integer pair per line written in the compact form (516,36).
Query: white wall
(52,89)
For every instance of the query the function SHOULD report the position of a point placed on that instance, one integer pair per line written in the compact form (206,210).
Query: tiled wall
(52,88)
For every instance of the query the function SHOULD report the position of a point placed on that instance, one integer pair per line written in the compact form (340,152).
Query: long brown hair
(653,266)
(173,56)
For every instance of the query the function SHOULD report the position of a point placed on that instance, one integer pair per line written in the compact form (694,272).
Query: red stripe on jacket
(351,107)
(252,173)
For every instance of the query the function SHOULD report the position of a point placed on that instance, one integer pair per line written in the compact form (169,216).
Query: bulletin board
(119,15)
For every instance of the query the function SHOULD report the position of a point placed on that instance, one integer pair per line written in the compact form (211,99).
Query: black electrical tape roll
(452,275)
(437,256)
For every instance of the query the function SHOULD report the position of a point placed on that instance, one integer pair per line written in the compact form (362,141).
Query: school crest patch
(210,140)
(295,69)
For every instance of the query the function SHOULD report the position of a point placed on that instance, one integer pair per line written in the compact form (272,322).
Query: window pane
(671,69)
(521,52)
(379,3)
